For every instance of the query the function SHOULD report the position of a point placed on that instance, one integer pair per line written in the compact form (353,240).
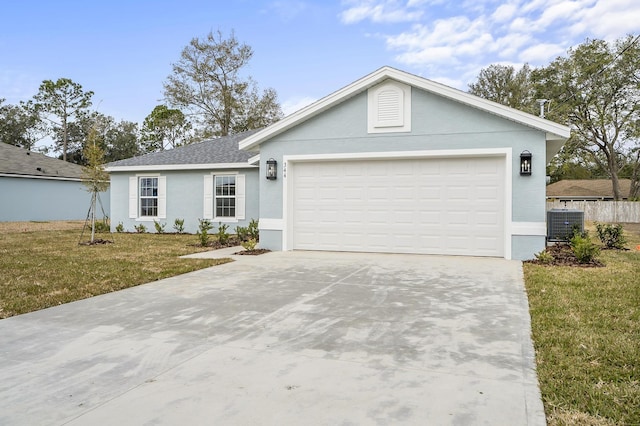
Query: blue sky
(123,50)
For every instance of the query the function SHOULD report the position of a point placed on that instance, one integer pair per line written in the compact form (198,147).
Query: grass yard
(42,265)
(586,332)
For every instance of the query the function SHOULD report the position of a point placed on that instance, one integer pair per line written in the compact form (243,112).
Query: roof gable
(211,153)
(24,163)
(556,134)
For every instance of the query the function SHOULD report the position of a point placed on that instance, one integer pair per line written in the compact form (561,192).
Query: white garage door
(430,206)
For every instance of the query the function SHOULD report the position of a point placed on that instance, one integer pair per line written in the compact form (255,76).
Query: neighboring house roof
(19,162)
(556,134)
(212,153)
(587,189)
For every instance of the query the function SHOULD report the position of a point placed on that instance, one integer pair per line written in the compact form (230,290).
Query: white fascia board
(553,131)
(160,167)
(40,177)
(255,160)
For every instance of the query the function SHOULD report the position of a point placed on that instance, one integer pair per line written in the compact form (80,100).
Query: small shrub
(159,227)
(204,227)
(140,229)
(545,257)
(178,225)
(249,245)
(253,230)
(612,236)
(242,233)
(584,249)
(119,228)
(223,235)
(103,225)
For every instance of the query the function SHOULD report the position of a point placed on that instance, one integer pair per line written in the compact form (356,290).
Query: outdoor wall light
(525,163)
(272,169)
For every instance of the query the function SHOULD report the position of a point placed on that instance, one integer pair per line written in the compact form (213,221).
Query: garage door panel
(431,206)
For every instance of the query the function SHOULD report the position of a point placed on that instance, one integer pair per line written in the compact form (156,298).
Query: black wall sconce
(525,163)
(272,169)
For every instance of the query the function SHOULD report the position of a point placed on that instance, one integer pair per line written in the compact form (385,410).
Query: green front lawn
(44,268)
(586,332)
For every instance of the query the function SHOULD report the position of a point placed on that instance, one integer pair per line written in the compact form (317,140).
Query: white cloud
(387,11)
(294,104)
(608,19)
(504,12)
(458,40)
(511,44)
(447,40)
(541,53)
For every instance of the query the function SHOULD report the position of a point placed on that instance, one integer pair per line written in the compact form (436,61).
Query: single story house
(390,163)
(212,180)
(34,187)
(586,190)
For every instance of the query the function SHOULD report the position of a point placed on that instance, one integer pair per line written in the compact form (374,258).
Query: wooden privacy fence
(602,211)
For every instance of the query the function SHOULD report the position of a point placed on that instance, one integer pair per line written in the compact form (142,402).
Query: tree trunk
(93,216)
(65,138)
(634,191)
(613,169)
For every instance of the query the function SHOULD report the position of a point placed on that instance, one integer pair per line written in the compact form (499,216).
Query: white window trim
(134,198)
(209,198)
(403,124)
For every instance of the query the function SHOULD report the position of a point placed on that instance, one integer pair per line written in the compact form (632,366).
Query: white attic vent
(389,105)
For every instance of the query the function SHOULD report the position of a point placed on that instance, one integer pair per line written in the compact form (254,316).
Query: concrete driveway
(284,338)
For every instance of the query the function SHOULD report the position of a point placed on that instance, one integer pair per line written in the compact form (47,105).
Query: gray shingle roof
(211,151)
(21,162)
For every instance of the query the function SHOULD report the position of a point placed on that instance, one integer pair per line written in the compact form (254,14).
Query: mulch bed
(564,256)
(95,242)
(254,252)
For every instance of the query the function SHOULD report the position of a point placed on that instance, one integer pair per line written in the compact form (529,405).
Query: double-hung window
(148,196)
(224,197)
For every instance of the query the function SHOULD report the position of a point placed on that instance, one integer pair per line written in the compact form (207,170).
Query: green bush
(120,228)
(242,233)
(140,229)
(584,249)
(103,225)
(223,235)
(203,231)
(159,227)
(178,225)
(612,236)
(544,257)
(249,245)
(253,230)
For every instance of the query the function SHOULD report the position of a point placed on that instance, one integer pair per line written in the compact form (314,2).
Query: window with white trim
(148,196)
(224,197)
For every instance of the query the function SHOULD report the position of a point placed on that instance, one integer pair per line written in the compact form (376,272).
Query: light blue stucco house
(211,180)
(391,163)
(34,187)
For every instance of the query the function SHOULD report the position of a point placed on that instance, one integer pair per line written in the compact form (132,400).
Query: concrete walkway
(281,339)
